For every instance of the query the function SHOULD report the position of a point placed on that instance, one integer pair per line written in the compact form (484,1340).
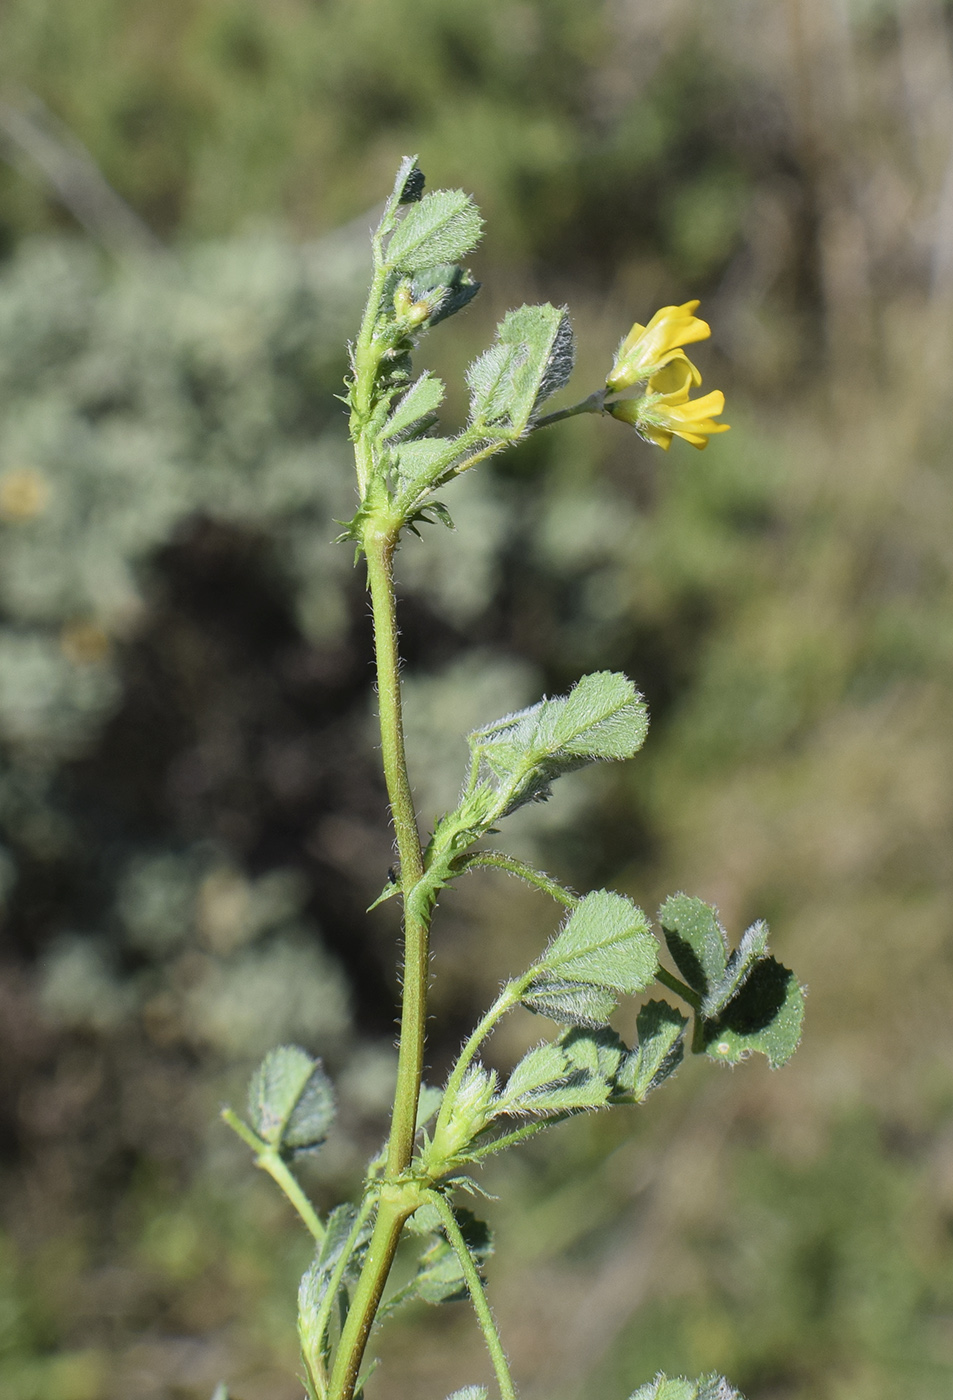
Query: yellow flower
(647,349)
(666,411)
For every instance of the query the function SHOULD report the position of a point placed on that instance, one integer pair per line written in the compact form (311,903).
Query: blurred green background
(191,817)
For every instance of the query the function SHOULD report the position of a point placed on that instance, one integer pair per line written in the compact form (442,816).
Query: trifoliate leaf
(442,228)
(765,1016)
(290,1100)
(605,942)
(705,1388)
(316,1280)
(440,1278)
(658,1054)
(602,717)
(532,357)
(696,941)
(753,945)
(415,409)
(569,1003)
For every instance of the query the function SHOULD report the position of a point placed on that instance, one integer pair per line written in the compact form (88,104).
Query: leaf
(598,1053)
(705,1388)
(440,1277)
(290,1100)
(605,942)
(696,941)
(446,289)
(750,950)
(659,1052)
(539,1068)
(532,357)
(766,1016)
(442,228)
(410,181)
(415,408)
(316,1280)
(570,1003)
(422,462)
(547,1080)
(602,717)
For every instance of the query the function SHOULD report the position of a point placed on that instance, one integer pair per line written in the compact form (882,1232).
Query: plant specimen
(738,1000)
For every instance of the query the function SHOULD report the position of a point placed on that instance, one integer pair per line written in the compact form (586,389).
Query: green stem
(337,1274)
(528,1130)
(498,860)
(392,1211)
(508,998)
(379,548)
(477,1294)
(269,1160)
(595,403)
(668,979)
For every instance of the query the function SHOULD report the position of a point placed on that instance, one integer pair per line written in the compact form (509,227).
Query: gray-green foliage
(290,1100)
(605,947)
(602,717)
(678,1388)
(747,1000)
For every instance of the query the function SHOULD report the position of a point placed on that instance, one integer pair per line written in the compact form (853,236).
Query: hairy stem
(271,1162)
(380,556)
(498,860)
(391,1215)
(477,1294)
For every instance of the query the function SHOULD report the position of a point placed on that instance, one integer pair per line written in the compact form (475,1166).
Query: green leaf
(705,1388)
(751,949)
(532,357)
(602,717)
(415,409)
(570,1003)
(445,289)
(316,1280)
(765,1016)
(421,463)
(442,228)
(605,942)
(659,1052)
(409,185)
(599,1053)
(696,941)
(440,1277)
(290,1100)
(549,1080)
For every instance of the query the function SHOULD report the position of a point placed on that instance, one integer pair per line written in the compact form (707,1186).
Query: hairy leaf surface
(290,1100)
(441,228)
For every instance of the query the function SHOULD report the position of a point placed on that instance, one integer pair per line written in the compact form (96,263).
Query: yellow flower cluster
(654,353)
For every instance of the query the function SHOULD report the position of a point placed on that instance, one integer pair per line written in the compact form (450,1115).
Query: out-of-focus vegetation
(191,816)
